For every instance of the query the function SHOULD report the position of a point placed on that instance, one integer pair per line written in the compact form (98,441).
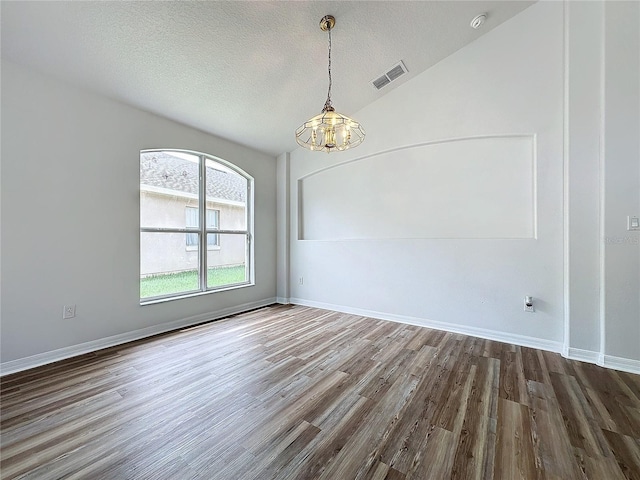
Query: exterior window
(183,251)
(213,219)
(192,222)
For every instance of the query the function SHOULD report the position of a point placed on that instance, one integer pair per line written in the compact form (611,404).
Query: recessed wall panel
(460,188)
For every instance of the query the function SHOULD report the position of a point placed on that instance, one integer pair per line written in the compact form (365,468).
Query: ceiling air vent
(394,72)
(381,82)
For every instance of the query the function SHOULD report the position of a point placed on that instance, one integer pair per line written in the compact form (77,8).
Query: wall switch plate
(68,311)
(633,223)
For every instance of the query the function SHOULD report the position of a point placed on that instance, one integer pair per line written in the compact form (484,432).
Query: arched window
(195,225)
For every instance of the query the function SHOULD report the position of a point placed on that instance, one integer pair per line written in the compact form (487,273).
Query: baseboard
(624,364)
(513,338)
(583,355)
(608,361)
(26,363)
(282,300)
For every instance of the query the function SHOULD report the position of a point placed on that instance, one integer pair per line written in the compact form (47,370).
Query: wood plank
(512,380)
(532,365)
(597,467)
(514,446)
(435,458)
(578,416)
(627,453)
(362,449)
(553,451)
(476,442)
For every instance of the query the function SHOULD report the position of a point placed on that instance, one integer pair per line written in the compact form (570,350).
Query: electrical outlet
(68,311)
(528,304)
(301,281)
(633,223)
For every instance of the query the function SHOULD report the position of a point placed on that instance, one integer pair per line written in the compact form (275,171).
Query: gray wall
(70,218)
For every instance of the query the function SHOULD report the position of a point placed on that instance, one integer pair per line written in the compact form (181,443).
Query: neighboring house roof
(163,170)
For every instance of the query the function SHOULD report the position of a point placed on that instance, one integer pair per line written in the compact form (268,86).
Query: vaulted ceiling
(249,71)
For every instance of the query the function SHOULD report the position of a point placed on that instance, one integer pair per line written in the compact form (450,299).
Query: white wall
(509,82)
(565,73)
(70,220)
(480,187)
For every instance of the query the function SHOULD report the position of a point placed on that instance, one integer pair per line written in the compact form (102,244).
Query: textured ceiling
(247,71)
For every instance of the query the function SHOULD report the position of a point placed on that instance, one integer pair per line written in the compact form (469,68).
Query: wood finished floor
(300,393)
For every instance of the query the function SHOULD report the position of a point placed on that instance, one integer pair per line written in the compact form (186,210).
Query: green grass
(157,285)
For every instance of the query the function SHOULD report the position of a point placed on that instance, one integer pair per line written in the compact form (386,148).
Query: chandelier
(329,130)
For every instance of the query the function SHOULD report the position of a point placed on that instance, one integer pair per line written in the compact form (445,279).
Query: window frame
(204,229)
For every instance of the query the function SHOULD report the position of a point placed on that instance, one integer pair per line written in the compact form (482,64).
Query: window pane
(227,265)
(191,220)
(213,218)
(168,184)
(191,217)
(213,221)
(192,239)
(227,194)
(166,266)
(213,240)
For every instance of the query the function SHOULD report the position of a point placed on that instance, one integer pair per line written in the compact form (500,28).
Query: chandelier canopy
(329,130)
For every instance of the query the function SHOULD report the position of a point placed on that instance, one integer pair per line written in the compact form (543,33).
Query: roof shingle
(161,169)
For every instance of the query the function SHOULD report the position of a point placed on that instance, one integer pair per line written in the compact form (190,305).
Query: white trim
(534,186)
(532,136)
(601,357)
(282,300)
(513,338)
(283,221)
(602,201)
(583,355)
(624,364)
(609,361)
(26,363)
(566,342)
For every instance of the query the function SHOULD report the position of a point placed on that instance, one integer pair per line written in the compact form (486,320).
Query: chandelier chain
(327,104)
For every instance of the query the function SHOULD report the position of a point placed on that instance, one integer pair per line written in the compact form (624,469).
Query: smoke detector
(478,20)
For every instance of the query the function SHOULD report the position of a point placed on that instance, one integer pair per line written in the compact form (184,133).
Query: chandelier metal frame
(329,130)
